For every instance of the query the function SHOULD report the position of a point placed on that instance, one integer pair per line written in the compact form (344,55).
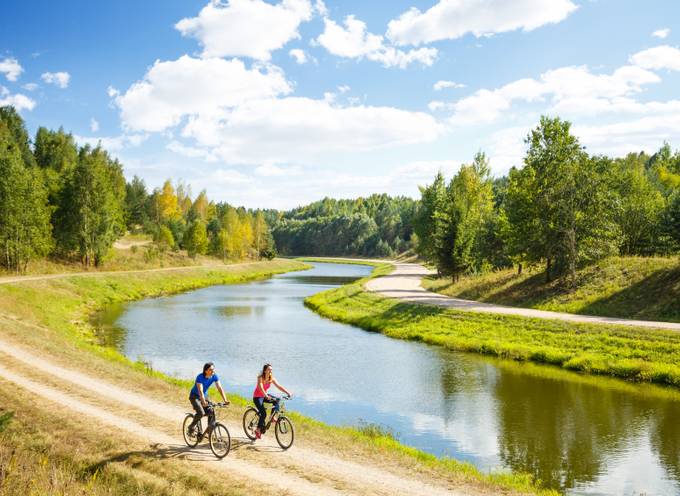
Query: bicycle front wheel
(250,420)
(189,438)
(285,434)
(220,441)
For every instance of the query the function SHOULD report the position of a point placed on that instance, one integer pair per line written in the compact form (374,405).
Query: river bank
(52,317)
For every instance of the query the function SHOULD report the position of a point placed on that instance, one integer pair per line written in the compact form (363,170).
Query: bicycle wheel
(250,419)
(191,440)
(285,434)
(220,441)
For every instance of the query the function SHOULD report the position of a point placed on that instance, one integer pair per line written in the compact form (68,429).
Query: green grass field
(644,288)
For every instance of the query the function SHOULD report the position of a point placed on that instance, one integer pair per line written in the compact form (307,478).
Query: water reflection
(579,434)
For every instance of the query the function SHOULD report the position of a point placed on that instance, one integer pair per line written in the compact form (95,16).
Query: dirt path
(300,470)
(404,284)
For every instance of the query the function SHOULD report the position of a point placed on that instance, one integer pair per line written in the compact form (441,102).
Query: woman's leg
(259,403)
(198,408)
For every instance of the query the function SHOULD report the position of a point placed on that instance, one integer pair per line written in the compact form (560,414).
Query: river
(581,435)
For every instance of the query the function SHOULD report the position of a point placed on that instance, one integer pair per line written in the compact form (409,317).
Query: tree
(471,206)
(56,154)
(196,239)
(638,208)
(168,208)
(426,223)
(90,216)
(135,203)
(559,203)
(165,239)
(19,136)
(24,215)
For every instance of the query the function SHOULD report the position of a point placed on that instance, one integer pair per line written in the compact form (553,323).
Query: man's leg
(198,408)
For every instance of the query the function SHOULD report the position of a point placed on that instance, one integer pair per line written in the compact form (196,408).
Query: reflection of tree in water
(665,437)
(561,431)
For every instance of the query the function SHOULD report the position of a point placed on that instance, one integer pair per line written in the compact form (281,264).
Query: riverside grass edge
(633,354)
(76,318)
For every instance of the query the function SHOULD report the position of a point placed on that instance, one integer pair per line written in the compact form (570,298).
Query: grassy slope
(646,288)
(630,353)
(62,310)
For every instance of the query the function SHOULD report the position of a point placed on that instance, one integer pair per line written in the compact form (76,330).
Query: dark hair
(264,369)
(207,366)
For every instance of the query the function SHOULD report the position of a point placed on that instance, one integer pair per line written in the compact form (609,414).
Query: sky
(275,104)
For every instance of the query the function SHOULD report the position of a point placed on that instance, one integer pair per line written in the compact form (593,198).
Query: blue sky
(278,103)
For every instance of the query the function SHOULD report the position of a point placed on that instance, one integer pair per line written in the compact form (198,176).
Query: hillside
(646,288)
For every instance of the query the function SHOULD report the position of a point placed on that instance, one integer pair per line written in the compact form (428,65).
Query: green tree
(196,239)
(165,239)
(638,208)
(24,215)
(15,125)
(135,203)
(56,154)
(91,215)
(558,203)
(428,217)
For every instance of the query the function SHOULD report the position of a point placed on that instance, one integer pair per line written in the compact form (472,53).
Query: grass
(56,453)
(641,355)
(58,313)
(644,288)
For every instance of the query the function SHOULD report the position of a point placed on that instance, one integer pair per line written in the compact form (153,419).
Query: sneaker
(258,435)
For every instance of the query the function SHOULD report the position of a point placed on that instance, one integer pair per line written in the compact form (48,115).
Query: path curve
(328,470)
(404,284)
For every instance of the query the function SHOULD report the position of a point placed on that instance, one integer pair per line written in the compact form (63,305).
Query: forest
(67,202)
(562,209)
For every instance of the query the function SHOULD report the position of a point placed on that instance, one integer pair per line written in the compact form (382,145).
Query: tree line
(563,208)
(376,226)
(61,200)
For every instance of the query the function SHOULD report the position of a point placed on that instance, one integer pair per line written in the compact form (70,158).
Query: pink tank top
(258,392)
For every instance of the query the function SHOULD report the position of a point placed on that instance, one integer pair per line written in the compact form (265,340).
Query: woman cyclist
(260,396)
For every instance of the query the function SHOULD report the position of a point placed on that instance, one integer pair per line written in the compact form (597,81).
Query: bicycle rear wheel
(191,440)
(220,441)
(285,434)
(250,419)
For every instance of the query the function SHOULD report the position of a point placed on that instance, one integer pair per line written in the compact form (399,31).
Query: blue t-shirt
(205,381)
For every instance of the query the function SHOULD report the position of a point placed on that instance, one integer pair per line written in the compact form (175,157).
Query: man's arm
(199,386)
(219,388)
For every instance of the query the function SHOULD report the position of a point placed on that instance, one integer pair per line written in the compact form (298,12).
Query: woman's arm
(280,387)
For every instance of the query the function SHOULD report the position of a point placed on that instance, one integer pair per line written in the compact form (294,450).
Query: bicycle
(218,434)
(283,428)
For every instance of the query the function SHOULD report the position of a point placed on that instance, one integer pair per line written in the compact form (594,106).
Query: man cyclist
(199,393)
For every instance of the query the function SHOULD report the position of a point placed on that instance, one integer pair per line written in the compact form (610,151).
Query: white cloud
(30,86)
(299,130)
(440,85)
(271,170)
(451,19)
(437,105)
(354,41)
(112,143)
(112,92)
(661,33)
(11,68)
(661,57)
(18,101)
(191,152)
(250,28)
(299,55)
(572,90)
(173,90)
(60,79)
(343,88)
(94,125)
